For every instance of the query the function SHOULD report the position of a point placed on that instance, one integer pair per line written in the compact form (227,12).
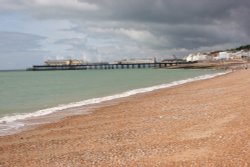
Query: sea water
(27,94)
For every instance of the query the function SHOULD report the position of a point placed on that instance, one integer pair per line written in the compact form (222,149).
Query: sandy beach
(203,123)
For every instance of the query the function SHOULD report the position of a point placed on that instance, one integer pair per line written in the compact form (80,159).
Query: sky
(32,31)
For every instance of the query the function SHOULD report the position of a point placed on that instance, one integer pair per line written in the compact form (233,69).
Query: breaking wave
(8,123)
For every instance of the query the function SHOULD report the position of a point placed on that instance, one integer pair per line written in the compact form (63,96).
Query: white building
(218,56)
(197,57)
(232,55)
(242,53)
(237,55)
(223,56)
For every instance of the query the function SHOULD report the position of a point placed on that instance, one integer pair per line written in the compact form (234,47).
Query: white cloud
(141,36)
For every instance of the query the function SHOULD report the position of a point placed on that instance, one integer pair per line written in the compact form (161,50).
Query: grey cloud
(20,50)
(195,36)
(16,42)
(47,9)
(155,11)
(183,24)
(73,42)
(123,28)
(170,11)
(80,49)
(21,60)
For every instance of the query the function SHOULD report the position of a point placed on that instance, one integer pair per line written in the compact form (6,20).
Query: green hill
(245,47)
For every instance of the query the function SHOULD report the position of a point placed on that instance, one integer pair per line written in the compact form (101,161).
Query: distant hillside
(245,47)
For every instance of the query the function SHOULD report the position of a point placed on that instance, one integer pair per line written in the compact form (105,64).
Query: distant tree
(244,47)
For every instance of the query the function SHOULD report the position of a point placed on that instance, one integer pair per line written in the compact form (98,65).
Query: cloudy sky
(32,31)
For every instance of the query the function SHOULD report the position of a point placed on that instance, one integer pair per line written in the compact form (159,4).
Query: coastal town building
(218,55)
(198,57)
(222,56)
(227,55)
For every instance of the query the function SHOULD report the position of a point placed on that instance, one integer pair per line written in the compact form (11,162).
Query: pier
(107,66)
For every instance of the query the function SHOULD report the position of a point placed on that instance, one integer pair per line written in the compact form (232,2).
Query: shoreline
(198,123)
(22,122)
(218,65)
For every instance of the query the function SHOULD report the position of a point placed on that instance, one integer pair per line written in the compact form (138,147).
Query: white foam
(13,120)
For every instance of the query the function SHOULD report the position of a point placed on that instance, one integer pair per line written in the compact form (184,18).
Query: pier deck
(106,66)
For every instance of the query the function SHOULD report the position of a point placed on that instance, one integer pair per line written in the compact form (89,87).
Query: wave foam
(8,120)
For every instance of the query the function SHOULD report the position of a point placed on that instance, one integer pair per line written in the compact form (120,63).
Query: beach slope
(203,123)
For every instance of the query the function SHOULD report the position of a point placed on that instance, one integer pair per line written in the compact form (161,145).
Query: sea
(29,95)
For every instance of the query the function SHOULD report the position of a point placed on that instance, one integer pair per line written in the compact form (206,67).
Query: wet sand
(203,123)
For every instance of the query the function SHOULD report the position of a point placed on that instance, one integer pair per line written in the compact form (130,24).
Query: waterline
(9,123)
